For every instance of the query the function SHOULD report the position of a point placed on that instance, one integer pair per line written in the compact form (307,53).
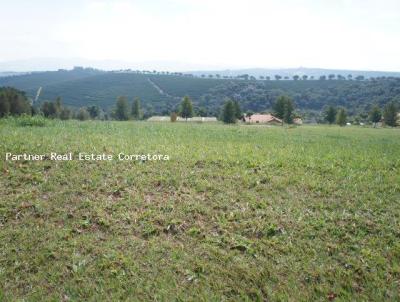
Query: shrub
(65,114)
(174,117)
(31,121)
(82,114)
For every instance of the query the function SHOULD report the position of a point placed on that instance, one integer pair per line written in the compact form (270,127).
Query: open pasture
(237,213)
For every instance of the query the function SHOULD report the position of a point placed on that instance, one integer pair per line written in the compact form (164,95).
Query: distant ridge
(290,72)
(10,73)
(53,64)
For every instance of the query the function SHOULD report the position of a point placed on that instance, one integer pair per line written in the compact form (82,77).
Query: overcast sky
(348,34)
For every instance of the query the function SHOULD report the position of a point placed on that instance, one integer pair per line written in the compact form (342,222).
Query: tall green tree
(94,111)
(136,110)
(229,112)
(83,114)
(288,112)
(51,109)
(186,108)
(45,108)
(279,107)
(122,109)
(330,114)
(283,108)
(341,117)
(13,102)
(238,110)
(4,106)
(375,115)
(390,114)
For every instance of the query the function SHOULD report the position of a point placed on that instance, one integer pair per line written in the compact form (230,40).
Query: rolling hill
(162,93)
(82,87)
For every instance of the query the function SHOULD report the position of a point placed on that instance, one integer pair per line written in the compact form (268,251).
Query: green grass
(28,121)
(238,213)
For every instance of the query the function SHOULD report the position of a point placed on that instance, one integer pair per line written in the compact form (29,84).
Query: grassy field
(237,213)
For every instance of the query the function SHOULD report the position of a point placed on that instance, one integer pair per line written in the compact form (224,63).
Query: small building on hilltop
(268,119)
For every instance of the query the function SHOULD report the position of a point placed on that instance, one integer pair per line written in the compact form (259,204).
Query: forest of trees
(14,102)
(389,116)
(357,97)
(161,92)
(328,101)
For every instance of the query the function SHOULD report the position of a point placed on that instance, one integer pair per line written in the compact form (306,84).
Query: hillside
(161,93)
(81,88)
(32,81)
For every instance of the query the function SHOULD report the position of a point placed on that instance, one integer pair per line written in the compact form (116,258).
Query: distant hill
(162,93)
(290,72)
(55,63)
(82,87)
(10,73)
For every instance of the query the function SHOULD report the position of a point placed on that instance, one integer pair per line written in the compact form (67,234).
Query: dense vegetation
(355,96)
(237,213)
(13,102)
(162,93)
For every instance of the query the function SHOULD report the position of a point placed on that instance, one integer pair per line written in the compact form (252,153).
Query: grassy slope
(237,213)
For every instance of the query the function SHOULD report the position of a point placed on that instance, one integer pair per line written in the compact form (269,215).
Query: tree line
(14,102)
(388,115)
(248,77)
